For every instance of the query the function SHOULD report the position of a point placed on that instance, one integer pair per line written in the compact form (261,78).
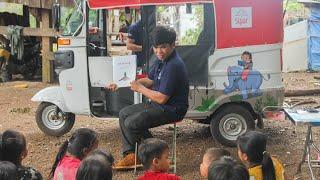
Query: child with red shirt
(211,155)
(154,154)
(72,151)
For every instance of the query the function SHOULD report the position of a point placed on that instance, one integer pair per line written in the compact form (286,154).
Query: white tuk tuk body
(218,94)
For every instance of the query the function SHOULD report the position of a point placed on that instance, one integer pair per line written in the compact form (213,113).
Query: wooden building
(41,10)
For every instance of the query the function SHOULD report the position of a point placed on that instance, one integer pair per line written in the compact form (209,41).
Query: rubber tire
(53,132)
(215,121)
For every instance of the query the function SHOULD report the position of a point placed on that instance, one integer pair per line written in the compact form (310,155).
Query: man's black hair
(163,35)
(227,169)
(149,149)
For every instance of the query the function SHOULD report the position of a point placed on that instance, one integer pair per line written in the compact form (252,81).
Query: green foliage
(258,105)
(12,8)
(33,22)
(65,14)
(161,9)
(207,104)
(122,18)
(293,5)
(191,36)
(270,101)
(265,101)
(93,15)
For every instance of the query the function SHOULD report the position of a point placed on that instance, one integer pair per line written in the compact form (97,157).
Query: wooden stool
(174,146)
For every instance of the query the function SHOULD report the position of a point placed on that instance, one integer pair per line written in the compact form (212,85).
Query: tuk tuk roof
(99,4)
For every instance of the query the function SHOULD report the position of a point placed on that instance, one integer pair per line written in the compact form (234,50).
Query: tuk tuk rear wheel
(53,126)
(231,122)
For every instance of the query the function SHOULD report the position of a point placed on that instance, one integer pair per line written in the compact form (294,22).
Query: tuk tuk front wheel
(231,122)
(53,122)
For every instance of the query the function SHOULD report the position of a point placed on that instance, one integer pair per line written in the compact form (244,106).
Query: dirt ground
(18,112)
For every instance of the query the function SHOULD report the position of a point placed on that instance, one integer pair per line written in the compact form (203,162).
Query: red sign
(248,22)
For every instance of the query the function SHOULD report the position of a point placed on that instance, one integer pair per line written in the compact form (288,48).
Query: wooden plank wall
(46,32)
(47,56)
(44,4)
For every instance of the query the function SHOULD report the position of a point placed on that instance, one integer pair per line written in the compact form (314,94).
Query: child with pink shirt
(72,151)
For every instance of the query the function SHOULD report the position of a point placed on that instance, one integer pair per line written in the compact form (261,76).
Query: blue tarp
(314,38)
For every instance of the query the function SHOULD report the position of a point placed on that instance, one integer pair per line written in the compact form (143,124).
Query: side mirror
(189,8)
(56,16)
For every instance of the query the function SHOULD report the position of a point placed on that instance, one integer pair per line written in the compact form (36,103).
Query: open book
(124,70)
(120,70)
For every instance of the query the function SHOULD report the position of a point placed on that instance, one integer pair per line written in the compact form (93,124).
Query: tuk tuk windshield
(72,19)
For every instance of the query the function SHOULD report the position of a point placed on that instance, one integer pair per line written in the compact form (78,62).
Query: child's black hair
(253,144)
(8,171)
(247,53)
(149,149)
(216,153)
(13,144)
(163,35)
(107,155)
(227,169)
(96,166)
(82,139)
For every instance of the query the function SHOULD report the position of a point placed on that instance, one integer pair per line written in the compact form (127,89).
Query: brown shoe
(128,162)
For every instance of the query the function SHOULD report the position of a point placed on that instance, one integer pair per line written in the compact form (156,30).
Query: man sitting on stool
(168,80)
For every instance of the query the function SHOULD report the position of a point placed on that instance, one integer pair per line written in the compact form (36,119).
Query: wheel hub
(51,119)
(232,125)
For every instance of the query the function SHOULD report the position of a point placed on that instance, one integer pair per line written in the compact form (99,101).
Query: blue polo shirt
(170,77)
(135,32)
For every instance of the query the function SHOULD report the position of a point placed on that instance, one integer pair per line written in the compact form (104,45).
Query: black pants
(135,120)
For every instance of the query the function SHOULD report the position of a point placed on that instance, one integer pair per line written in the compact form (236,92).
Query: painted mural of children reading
(246,63)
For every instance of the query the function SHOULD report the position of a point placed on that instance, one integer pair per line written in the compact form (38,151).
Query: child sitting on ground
(71,152)
(227,169)
(8,171)
(14,149)
(212,154)
(153,154)
(261,166)
(96,166)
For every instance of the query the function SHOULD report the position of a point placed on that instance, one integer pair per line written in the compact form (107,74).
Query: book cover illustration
(124,70)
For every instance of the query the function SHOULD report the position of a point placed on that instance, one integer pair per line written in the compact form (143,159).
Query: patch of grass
(270,101)
(21,110)
(207,104)
(263,102)
(258,105)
